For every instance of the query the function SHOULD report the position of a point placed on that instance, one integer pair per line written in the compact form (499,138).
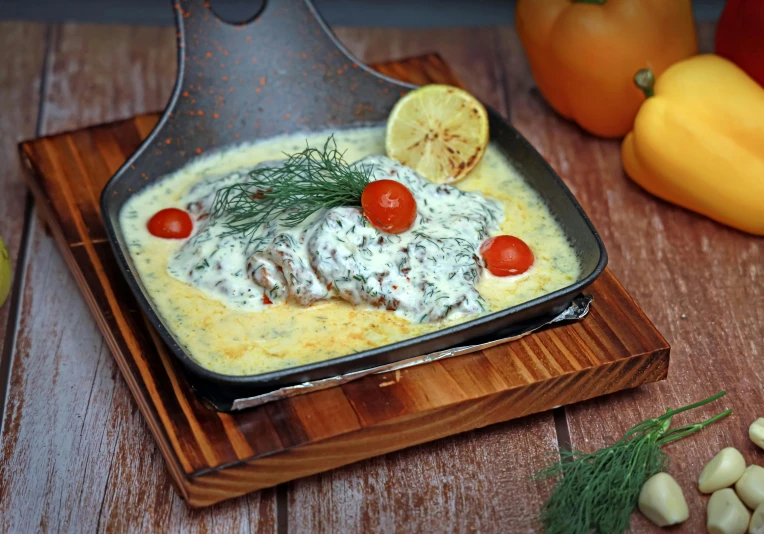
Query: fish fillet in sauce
(425,274)
(337,284)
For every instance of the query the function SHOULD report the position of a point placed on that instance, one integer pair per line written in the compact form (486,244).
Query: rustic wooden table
(76,455)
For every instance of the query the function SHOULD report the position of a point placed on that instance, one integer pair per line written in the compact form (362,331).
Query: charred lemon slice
(439,131)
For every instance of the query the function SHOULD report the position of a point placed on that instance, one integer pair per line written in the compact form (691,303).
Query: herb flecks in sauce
(257,338)
(425,274)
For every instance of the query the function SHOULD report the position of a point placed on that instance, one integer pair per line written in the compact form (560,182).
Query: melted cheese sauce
(248,340)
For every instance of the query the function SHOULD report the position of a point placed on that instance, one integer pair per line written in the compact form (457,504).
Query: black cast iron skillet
(285,72)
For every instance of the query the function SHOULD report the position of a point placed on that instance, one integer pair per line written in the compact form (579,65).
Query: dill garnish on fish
(303,184)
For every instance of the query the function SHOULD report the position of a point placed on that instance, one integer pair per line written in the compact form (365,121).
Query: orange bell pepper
(584,53)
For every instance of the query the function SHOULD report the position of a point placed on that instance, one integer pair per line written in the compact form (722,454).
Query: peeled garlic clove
(722,471)
(662,501)
(757,521)
(726,513)
(756,432)
(750,487)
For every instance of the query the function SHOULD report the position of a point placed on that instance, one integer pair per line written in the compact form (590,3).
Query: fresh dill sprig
(596,492)
(291,191)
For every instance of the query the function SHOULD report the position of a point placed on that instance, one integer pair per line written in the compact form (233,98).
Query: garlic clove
(662,501)
(757,521)
(726,513)
(756,432)
(722,471)
(750,487)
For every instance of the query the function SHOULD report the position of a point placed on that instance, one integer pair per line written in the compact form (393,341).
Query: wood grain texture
(470,53)
(76,454)
(700,282)
(213,456)
(473,482)
(437,486)
(469,482)
(22,56)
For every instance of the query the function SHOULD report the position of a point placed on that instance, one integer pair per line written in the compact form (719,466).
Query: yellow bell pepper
(698,141)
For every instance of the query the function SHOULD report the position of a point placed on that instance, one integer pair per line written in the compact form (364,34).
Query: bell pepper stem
(645,80)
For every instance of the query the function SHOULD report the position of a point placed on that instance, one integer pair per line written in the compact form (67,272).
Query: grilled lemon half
(440,131)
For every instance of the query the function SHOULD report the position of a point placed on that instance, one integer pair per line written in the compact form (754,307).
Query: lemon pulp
(438,130)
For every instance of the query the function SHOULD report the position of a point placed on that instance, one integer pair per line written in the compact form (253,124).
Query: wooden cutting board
(212,456)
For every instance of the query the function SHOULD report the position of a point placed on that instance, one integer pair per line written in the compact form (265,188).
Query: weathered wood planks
(701,282)
(472,481)
(213,456)
(22,56)
(76,454)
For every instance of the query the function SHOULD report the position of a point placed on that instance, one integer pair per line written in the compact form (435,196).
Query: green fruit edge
(5,272)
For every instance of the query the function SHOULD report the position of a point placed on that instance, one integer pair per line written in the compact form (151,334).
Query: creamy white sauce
(424,274)
(344,292)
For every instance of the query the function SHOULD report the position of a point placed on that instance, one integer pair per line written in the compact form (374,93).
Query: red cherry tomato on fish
(389,206)
(171,223)
(506,255)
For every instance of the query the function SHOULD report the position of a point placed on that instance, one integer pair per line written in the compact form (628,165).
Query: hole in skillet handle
(237,12)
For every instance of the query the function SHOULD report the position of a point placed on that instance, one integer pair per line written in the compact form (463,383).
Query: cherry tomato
(389,206)
(171,223)
(506,255)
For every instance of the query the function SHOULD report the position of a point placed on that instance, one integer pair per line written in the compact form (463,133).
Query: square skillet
(285,72)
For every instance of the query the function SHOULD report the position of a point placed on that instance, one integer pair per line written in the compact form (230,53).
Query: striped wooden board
(212,456)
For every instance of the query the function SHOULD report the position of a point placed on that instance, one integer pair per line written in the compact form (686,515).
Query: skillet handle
(281,73)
